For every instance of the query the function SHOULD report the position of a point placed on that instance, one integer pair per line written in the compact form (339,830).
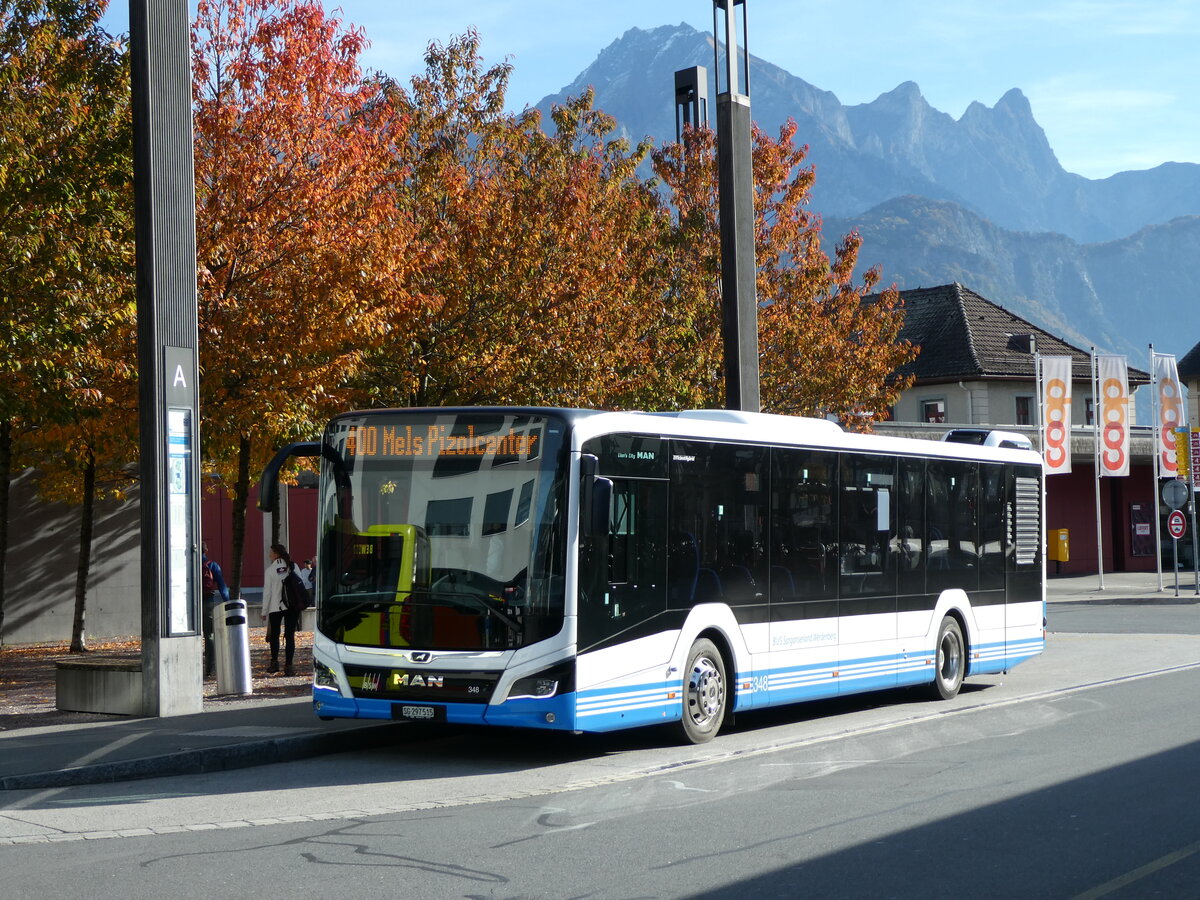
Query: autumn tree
(65,213)
(533,246)
(294,155)
(822,349)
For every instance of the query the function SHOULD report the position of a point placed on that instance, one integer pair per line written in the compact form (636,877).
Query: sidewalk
(41,747)
(1119,586)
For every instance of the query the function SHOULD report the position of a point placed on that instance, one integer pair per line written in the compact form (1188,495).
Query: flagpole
(1156,445)
(1041,443)
(1096,463)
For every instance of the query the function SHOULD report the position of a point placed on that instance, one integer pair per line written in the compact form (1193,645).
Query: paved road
(1072,774)
(1123,616)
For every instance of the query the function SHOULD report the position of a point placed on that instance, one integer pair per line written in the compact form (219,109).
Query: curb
(211,759)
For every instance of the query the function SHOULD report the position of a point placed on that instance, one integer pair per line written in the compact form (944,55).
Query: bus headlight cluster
(323,676)
(558,679)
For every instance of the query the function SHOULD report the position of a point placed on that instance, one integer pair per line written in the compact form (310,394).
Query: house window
(1024,410)
(1089,415)
(933,411)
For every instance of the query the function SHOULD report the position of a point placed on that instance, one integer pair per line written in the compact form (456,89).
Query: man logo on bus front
(420,656)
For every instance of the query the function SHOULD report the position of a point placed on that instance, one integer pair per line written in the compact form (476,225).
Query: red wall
(216,525)
(1071,504)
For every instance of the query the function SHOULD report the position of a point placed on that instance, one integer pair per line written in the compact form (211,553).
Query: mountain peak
(1016,101)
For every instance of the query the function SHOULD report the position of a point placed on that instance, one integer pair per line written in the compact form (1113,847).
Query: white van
(988,438)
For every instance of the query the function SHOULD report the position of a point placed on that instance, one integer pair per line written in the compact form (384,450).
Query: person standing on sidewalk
(215,592)
(276,612)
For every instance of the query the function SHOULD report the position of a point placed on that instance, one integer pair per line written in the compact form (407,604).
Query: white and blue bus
(591,571)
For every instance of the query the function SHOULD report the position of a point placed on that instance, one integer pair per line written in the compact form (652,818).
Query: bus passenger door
(625,577)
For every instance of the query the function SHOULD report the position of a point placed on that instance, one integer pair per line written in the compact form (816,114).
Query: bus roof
(734,425)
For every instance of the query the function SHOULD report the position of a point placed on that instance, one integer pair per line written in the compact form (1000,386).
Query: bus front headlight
(323,676)
(558,679)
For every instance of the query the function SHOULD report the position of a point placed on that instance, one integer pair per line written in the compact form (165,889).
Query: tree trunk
(5,473)
(276,526)
(241,490)
(87,520)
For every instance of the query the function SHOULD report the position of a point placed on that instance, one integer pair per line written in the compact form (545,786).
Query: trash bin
(232,636)
(1060,545)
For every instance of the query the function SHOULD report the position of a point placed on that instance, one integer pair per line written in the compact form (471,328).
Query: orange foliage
(822,350)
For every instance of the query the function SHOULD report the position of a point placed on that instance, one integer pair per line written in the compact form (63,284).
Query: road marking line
(1138,874)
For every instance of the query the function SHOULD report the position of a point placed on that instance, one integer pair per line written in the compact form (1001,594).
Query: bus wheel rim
(706,692)
(949,659)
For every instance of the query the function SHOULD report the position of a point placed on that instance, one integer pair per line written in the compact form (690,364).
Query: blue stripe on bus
(527,712)
(626,706)
(622,707)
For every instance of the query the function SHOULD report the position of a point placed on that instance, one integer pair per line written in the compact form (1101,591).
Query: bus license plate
(418,713)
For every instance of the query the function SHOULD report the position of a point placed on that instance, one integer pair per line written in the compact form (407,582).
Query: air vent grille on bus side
(1027,521)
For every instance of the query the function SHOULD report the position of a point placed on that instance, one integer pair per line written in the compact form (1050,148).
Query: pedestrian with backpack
(284,598)
(215,592)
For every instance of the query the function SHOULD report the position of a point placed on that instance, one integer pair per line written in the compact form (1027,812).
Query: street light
(735,182)
(691,99)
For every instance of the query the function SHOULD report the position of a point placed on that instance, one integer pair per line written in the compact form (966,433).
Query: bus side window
(910,545)
(868,522)
(719,498)
(803,525)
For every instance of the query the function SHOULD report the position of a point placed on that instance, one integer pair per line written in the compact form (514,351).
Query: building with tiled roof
(977,367)
(977,361)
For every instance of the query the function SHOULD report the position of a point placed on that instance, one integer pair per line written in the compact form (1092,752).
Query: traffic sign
(1175,494)
(1176,524)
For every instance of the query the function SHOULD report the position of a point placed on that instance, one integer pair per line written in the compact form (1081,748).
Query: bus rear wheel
(951,660)
(704,693)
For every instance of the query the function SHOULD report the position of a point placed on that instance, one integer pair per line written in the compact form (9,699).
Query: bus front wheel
(704,693)
(951,660)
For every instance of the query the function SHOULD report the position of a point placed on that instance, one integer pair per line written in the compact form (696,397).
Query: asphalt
(250,732)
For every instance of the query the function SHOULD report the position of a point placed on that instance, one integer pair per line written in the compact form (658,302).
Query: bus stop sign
(1176,524)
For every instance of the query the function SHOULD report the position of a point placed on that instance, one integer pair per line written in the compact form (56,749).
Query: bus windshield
(442,530)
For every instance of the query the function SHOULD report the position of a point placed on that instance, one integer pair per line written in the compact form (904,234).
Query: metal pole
(1041,444)
(1157,472)
(1195,561)
(1096,463)
(1175,561)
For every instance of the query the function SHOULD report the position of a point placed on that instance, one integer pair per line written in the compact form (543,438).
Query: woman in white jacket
(278,616)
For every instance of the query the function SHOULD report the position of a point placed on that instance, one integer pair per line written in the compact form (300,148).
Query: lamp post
(691,99)
(735,181)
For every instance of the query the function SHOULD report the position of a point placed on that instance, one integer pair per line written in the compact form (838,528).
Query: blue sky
(1114,83)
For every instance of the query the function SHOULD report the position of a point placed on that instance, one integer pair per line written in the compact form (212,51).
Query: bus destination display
(394,441)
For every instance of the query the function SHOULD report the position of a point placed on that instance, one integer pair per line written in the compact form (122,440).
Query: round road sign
(1176,524)
(1175,494)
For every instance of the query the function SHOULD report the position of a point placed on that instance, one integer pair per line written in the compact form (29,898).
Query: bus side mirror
(268,483)
(595,494)
(602,489)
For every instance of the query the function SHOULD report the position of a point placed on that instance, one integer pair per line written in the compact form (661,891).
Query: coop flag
(1056,414)
(1172,413)
(1112,379)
